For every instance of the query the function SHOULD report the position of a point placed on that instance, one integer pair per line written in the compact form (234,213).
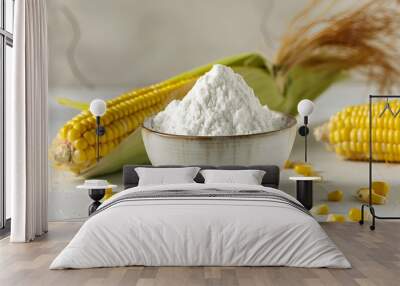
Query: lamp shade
(98,107)
(305,107)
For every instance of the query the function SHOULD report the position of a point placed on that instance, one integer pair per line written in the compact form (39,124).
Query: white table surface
(86,187)
(303,178)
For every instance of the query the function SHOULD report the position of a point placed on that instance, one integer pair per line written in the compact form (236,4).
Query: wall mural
(331,55)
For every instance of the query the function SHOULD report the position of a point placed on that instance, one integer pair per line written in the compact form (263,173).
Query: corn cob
(74,147)
(347,133)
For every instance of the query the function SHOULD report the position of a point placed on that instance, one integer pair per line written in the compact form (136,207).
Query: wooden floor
(375,257)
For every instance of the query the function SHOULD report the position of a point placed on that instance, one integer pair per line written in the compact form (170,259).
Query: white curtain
(27,123)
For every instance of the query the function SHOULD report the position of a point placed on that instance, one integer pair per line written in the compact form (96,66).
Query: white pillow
(165,176)
(248,177)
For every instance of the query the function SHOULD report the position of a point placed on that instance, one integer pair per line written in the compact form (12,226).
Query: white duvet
(200,231)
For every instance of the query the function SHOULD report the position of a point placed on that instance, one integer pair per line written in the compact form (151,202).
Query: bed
(198,224)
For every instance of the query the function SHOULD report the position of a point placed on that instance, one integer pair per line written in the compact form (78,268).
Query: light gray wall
(95,43)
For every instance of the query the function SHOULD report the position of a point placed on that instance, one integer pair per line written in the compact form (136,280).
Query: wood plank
(375,257)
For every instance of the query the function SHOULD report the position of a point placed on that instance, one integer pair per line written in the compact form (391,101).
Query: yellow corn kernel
(63,132)
(79,156)
(354,135)
(90,136)
(336,218)
(359,147)
(354,214)
(80,127)
(381,188)
(135,122)
(365,135)
(345,134)
(336,136)
(363,196)
(378,135)
(365,148)
(385,138)
(304,169)
(73,134)
(80,143)
(108,194)
(91,153)
(104,150)
(335,196)
(322,209)
(119,127)
(103,139)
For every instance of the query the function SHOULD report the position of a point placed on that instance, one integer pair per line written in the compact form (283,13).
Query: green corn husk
(306,83)
(130,151)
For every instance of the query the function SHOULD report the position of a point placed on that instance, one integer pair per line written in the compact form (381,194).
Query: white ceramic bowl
(268,148)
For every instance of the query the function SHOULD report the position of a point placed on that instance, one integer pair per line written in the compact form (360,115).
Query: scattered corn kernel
(336,218)
(363,196)
(304,169)
(354,214)
(335,196)
(108,194)
(381,188)
(322,209)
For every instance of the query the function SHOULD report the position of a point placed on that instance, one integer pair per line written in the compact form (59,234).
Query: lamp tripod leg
(372,210)
(361,221)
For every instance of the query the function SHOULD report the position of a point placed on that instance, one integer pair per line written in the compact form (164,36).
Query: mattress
(201,225)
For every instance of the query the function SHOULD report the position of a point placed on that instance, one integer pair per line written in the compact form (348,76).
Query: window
(6,44)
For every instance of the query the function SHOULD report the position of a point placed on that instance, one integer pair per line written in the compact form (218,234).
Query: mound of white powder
(220,103)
